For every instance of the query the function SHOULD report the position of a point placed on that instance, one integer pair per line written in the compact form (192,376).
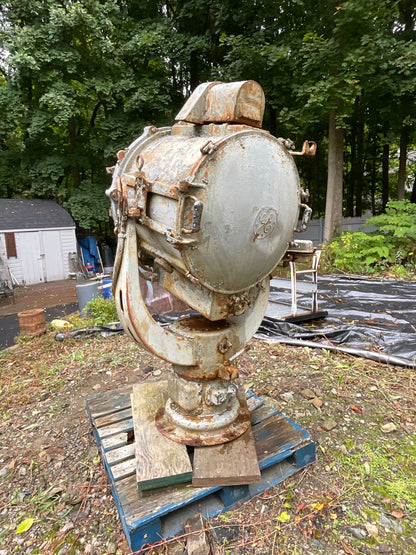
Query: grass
(361,473)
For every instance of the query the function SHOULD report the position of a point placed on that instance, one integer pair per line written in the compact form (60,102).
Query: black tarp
(368,317)
(372,318)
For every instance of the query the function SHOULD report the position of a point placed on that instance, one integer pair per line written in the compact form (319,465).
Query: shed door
(29,251)
(54,264)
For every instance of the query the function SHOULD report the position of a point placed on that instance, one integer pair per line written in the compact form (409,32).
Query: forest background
(80,79)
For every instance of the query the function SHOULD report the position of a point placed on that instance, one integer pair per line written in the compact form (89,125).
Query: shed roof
(19,214)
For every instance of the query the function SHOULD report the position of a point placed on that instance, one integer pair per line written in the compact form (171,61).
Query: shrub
(102,311)
(392,248)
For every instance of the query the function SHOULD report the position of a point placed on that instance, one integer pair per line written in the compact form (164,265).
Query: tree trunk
(385,183)
(73,141)
(350,192)
(401,181)
(373,172)
(333,208)
(359,180)
(413,196)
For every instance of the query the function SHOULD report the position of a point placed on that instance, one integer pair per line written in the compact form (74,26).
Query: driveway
(58,298)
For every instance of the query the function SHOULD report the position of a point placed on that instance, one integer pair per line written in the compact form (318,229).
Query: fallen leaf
(397,514)
(388,428)
(358,410)
(317,506)
(284,517)
(25,525)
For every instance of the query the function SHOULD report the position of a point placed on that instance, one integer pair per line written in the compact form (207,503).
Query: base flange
(170,429)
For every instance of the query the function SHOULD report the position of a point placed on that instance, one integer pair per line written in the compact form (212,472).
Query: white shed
(37,237)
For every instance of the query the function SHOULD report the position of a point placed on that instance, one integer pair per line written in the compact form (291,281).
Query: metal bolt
(224,345)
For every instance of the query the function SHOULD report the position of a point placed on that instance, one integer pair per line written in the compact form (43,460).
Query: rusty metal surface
(206,208)
(238,102)
(230,221)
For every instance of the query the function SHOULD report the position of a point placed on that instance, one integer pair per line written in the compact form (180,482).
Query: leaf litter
(55,498)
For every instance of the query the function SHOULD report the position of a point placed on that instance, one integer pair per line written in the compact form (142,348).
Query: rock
(318,544)
(390,524)
(148,369)
(111,548)
(329,425)
(358,533)
(388,428)
(197,543)
(287,396)
(317,403)
(225,534)
(66,527)
(4,471)
(308,393)
(384,548)
(176,548)
(371,529)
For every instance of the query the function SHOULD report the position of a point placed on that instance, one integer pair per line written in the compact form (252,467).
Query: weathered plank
(230,464)
(105,402)
(121,454)
(159,460)
(112,417)
(274,437)
(116,428)
(123,469)
(113,442)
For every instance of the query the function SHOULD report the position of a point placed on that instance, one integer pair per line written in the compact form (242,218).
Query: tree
(88,76)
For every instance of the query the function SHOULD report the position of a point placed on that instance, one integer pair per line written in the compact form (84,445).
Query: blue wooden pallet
(282,448)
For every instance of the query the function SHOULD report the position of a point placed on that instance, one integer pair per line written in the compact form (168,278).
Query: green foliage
(392,247)
(102,311)
(81,79)
(398,221)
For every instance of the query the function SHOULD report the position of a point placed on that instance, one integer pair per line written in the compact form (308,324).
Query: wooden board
(230,464)
(159,460)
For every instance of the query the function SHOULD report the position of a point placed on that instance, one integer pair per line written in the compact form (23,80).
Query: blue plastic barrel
(107,283)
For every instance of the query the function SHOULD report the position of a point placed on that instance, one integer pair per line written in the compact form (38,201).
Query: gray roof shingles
(33,214)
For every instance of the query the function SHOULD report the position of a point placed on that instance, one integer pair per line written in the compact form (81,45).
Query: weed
(102,311)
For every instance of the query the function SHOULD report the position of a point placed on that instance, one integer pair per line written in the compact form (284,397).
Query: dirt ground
(41,295)
(358,497)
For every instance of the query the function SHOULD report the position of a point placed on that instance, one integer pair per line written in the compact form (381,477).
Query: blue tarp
(90,252)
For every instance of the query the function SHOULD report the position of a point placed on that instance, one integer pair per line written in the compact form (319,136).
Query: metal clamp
(308,149)
(306,218)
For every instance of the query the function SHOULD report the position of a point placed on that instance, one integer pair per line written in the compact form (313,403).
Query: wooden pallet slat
(148,516)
